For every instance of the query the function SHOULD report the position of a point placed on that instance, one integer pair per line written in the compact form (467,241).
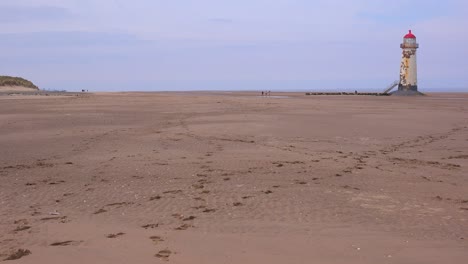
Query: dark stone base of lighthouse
(411,90)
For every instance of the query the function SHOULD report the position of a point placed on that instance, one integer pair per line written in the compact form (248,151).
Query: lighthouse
(408,69)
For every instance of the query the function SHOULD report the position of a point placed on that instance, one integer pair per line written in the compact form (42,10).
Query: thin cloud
(221,20)
(14,14)
(68,39)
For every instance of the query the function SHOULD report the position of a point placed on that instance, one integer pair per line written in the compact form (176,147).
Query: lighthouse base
(406,93)
(407,90)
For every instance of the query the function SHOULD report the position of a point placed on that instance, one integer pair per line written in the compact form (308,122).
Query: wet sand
(234,178)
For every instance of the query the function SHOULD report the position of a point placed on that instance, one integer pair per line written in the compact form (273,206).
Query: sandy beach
(233,178)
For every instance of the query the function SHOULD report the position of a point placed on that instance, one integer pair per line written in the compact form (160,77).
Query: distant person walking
(263,93)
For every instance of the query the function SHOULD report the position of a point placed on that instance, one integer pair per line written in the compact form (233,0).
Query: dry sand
(234,178)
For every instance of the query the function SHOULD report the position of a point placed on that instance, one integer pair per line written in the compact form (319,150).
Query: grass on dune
(16,81)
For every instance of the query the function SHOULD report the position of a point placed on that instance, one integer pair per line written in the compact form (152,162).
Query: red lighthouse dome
(410,35)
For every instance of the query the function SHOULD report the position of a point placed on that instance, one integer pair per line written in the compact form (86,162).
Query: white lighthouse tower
(408,69)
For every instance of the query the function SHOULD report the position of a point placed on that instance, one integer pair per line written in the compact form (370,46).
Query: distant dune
(17,84)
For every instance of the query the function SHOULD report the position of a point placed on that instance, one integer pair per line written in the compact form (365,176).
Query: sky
(120,45)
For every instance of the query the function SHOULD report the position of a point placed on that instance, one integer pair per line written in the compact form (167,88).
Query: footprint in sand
(119,204)
(115,235)
(100,211)
(183,227)
(150,226)
(62,219)
(21,228)
(156,239)
(190,218)
(55,183)
(157,197)
(203,181)
(178,216)
(164,254)
(173,192)
(198,186)
(17,254)
(349,187)
(300,182)
(66,243)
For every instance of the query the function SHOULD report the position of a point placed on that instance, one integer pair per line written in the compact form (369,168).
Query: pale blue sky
(238,44)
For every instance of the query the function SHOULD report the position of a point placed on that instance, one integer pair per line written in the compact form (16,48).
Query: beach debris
(55,212)
(356,247)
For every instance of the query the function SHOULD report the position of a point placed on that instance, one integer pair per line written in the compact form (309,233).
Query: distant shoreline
(274,94)
(32,92)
